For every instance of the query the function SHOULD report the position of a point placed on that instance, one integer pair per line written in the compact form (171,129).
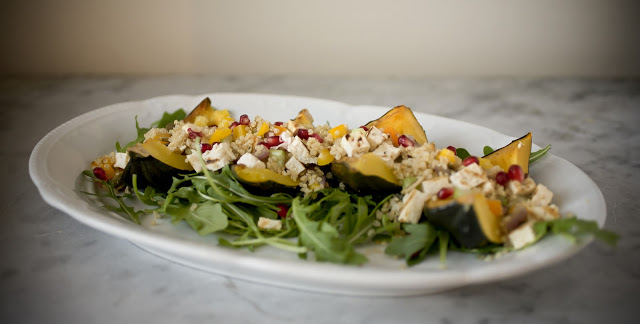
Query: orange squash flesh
(516,152)
(400,121)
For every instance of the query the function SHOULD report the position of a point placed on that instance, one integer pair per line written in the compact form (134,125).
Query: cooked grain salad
(321,190)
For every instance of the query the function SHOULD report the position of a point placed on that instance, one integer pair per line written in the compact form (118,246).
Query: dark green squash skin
(150,172)
(360,182)
(461,221)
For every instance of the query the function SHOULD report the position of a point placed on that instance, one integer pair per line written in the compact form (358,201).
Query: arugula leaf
(574,229)
(487,150)
(206,218)
(122,207)
(413,247)
(535,156)
(322,238)
(462,153)
(169,118)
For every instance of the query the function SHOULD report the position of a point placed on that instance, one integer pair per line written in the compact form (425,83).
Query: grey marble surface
(54,269)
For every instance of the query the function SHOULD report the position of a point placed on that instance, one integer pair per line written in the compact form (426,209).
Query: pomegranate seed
(272,141)
(366,129)
(405,141)
(205,147)
(452,148)
(515,173)
(244,120)
(502,178)
(278,123)
(470,160)
(282,210)
(445,193)
(303,133)
(318,137)
(100,173)
(233,125)
(193,134)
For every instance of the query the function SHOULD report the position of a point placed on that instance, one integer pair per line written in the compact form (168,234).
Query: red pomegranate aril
(205,147)
(244,120)
(278,123)
(515,173)
(272,141)
(193,134)
(303,133)
(318,137)
(445,193)
(405,141)
(453,149)
(366,129)
(470,160)
(502,178)
(100,173)
(282,210)
(233,125)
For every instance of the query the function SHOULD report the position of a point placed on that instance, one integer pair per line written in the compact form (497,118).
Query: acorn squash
(203,109)
(400,121)
(264,180)
(149,171)
(304,118)
(516,152)
(469,219)
(366,173)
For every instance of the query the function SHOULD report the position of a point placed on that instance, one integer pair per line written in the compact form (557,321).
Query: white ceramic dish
(58,159)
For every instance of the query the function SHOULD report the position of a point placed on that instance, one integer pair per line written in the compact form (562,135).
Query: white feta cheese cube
(432,186)
(269,224)
(375,137)
(412,206)
(355,143)
(251,161)
(521,236)
(285,138)
(469,177)
(300,152)
(216,158)
(294,166)
(542,196)
(387,151)
(121,160)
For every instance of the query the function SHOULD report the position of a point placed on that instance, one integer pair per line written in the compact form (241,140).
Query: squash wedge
(516,152)
(400,121)
(366,173)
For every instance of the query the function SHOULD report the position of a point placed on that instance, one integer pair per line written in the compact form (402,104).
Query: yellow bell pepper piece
(338,131)
(264,128)
(220,134)
(325,157)
(222,118)
(448,155)
(239,131)
(278,129)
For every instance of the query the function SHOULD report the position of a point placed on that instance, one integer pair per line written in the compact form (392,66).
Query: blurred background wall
(343,38)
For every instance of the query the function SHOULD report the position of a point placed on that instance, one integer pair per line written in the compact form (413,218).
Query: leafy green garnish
(322,238)
(535,156)
(574,229)
(487,150)
(166,119)
(462,153)
(414,246)
(122,207)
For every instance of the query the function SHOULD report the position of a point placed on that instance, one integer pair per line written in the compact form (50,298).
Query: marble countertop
(54,269)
